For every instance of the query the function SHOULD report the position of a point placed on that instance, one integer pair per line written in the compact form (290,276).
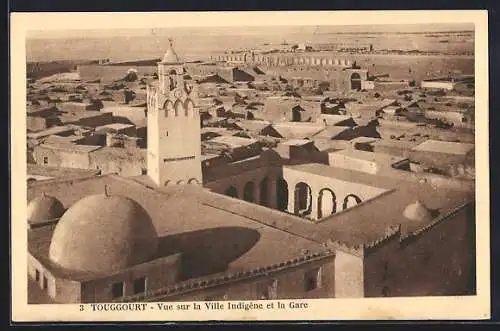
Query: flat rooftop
(399,144)
(297,130)
(368,221)
(233,141)
(178,210)
(364,140)
(296,142)
(379,158)
(72,148)
(57,172)
(326,144)
(253,125)
(445,147)
(55,139)
(334,118)
(129,153)
(74,116)
(331,132)
(50,131)
(112,108)
(115,126)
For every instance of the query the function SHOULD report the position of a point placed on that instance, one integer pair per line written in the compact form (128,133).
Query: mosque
(298,230)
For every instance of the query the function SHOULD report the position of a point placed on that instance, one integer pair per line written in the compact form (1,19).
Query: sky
(239,30)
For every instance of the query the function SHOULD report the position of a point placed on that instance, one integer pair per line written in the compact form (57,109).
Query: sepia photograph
(279,168)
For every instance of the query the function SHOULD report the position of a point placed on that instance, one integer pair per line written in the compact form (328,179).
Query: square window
(117,290)
(140,285)
(45,160)
(312,279)
(37,275)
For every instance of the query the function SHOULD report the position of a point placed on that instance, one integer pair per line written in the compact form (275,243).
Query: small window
(117,290)
(216,297)
(37,275)
(268,290)
(144,171)
(140,285)
(312,279)
(45,160)
(45,283)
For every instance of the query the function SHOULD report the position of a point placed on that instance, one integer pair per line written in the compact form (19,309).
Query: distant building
(439,84)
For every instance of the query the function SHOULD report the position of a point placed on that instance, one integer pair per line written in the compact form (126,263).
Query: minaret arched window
(178,108)
(168,108)
(189,108)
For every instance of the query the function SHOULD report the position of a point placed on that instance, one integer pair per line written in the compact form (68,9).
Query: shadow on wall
(208,251)
(122,120)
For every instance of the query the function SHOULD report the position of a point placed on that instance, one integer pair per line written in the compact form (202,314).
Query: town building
(439,84)
(294,221)
(174,148)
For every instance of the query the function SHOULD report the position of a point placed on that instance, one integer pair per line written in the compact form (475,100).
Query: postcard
(200,166)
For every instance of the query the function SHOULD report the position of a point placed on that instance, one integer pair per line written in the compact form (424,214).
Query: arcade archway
(327,203)
(351,200)
(231,192)
(282,194)
(303,199)
(264,192)
(248,192)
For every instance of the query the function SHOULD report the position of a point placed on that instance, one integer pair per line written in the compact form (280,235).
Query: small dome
(170,55)
(44,208)
(103,234)
(417,211)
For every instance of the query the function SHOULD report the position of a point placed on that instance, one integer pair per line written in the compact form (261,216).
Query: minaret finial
(171,42)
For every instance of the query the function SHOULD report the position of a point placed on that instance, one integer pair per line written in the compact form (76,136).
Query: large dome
(44,209)
(103,234)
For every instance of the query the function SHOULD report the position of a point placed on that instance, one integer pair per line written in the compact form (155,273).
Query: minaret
(174,142)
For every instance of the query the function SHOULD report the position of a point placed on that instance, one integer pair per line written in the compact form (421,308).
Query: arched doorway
(327,203)
(193,181)
(350,201)
(296,116)
(355,81)
(303,197)
(282,194)
(248,192)
(231,192)
(264,192)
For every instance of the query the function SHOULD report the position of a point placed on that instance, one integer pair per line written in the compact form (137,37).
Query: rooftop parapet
(198,284)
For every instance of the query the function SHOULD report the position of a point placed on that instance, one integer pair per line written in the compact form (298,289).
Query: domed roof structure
(170,55)
(417,211)
(44,208)
(103,234)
